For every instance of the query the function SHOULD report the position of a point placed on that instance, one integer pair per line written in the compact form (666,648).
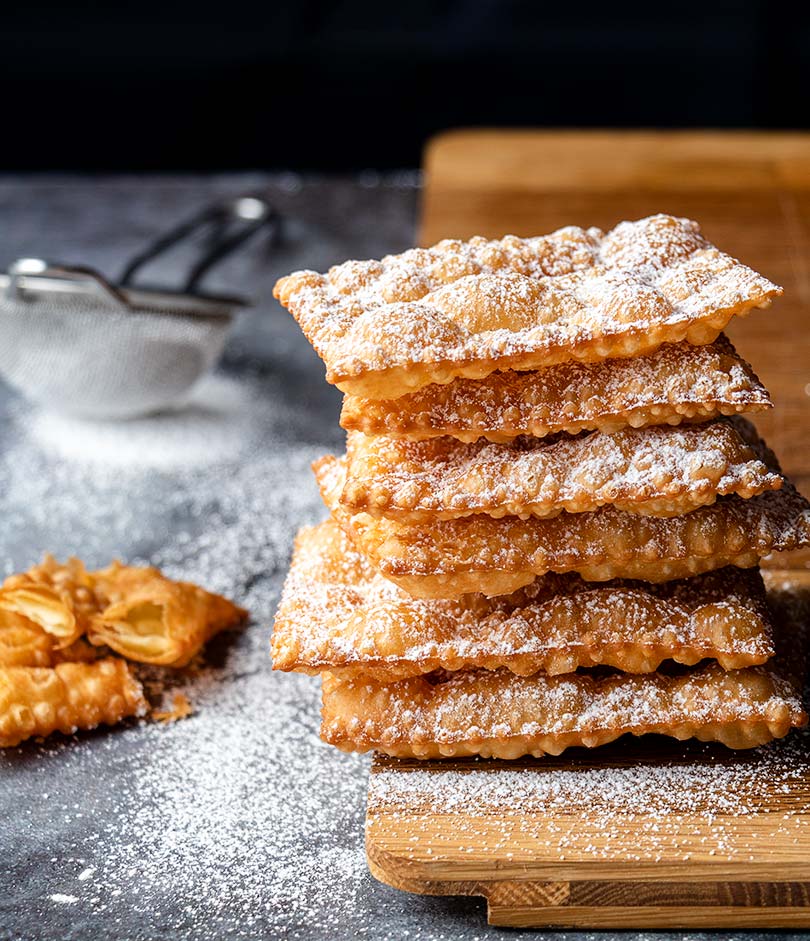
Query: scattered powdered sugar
(216,424)
(628,809)
(237,820)
(712,785)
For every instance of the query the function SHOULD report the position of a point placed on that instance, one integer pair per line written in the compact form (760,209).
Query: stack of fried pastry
(547,525)
(61,627)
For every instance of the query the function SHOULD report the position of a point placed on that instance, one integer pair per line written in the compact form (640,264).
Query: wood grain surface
(729,868)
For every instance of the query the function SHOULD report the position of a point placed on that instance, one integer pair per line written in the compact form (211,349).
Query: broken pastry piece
(448,558)
(337,614)
(465,309)
(57,598)
(152,619)
(677,383)
(23,643)
(134,610)
(657,471)
(57,623)
(68,697)
(501,715)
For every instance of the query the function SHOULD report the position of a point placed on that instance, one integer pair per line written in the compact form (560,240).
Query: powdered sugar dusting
(626,806)
(387,327)
(239,814)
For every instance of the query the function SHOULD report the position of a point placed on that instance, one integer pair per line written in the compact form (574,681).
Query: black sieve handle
(230,223)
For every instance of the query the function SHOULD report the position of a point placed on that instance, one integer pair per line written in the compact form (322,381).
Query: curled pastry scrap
(58,621)
(58,598)
(24,643)
(154,620)
(65,698)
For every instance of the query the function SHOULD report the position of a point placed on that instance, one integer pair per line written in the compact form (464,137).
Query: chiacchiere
(338,615)
(448,558)
(65,698)
(466,309)
(662,471)
(546,527)
(677,383)
(59,622)
(501,715)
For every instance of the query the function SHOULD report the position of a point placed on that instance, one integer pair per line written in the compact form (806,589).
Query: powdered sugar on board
(688,801)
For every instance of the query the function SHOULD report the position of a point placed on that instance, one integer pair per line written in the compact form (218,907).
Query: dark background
(353,83)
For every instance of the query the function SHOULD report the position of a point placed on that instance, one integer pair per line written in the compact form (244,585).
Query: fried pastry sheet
(67,697)
(501,715)
(57,598)
(23,643)
(136,611)
(658,471)
(386,328)
(149,618)
(337,614)
(448,558)
(677,383)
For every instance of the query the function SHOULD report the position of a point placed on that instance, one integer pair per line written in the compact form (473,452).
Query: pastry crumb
(181,709)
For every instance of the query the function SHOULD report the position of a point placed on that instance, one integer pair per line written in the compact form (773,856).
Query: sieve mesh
(79,354)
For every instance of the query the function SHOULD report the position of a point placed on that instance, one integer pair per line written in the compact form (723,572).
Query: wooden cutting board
(715,838)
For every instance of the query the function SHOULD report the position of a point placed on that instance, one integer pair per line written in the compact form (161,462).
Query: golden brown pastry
(337,614)
(448,558)
(149,618)
(386,328)
(67,697)
(656,471)
(679,382)
(58,598)
(134,610)
(23,643)
(501,715)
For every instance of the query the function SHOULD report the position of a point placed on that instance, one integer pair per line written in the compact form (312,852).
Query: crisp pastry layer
(23,643)
(149,618)
(136,611)
(677,383)
(67,697)
(448,558)
(57,598)
(337,614)
(501,715)
(658,471)
(385,328)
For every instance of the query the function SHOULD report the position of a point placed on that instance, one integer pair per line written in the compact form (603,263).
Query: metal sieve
(75,343)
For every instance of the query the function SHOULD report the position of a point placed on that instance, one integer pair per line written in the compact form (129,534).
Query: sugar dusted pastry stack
(546,528)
